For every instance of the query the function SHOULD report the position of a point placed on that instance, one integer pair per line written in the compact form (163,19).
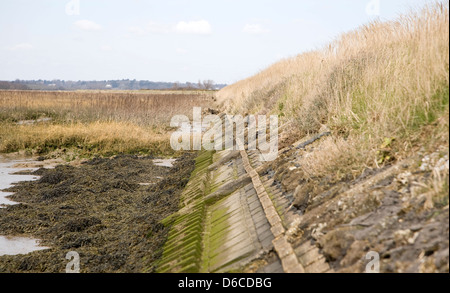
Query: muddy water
(164,162)
(14,245)
(7,178)
(18,245)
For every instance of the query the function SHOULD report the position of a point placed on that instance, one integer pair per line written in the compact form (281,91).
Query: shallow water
(164,162)
(14,245)
(7,179)
(18,245)
(4,200)
(27,122)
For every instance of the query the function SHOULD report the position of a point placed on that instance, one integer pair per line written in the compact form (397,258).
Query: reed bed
(93,122)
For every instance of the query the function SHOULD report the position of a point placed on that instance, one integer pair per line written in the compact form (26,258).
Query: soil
(107,209)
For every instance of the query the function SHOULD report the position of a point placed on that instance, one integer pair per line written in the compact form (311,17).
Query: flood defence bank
(241,214)
(220,226)
(232,220)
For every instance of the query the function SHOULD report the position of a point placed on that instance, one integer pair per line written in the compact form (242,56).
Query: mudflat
(107,209)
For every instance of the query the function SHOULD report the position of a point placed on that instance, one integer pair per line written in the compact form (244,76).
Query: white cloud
(254,29)
(87,25)
(201,27)
(21,47)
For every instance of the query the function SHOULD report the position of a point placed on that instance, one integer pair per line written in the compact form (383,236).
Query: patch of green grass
(433,110)
(280,109)
(21,114)
(359,107)
(442,198)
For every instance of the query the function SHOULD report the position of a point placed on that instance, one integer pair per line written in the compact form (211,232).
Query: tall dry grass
(87,106)
(95,138)
(384,79)
(91,122)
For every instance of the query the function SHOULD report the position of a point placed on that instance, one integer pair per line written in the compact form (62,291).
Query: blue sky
(222,40)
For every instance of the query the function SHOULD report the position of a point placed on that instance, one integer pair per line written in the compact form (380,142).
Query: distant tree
(114,83)
(189,85)
(208,84)
(176,85)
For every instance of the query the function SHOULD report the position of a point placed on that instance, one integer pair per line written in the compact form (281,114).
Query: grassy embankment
(382,89)
(88,123)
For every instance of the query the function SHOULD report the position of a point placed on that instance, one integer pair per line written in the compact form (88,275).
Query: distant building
(108,86)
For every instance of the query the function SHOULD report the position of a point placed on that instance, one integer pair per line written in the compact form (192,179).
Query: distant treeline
(6,85)
(123,84)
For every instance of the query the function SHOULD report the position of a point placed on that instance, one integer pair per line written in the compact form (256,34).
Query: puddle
(28,122)
(7,179)
(4,200)
(15,245)
(164,162)
(18,245)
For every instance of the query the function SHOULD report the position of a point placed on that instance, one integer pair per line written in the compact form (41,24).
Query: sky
(174,40)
